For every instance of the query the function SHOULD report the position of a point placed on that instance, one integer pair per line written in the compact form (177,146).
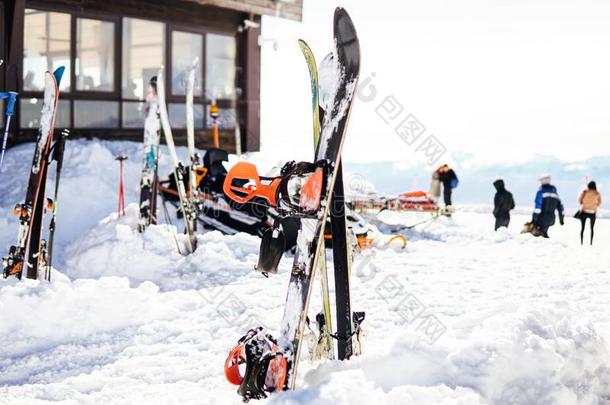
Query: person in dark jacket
(449,180)
(503,204)
(547,202)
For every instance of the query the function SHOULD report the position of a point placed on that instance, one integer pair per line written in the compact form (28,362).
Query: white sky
(494,79)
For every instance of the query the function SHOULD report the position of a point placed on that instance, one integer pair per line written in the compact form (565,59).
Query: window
(109,62)
(94,55)
(133,114)
(177,115)
(185,48)
(46,47)
(96,114)
(220,66)
(143,54)
(30,108)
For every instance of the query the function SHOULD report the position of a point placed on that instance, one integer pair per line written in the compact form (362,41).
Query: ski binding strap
(243,183)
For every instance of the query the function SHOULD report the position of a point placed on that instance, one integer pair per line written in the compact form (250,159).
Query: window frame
(3,50)
(116,94)
(202,99)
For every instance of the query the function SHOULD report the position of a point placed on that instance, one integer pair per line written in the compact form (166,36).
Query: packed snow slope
(463,315)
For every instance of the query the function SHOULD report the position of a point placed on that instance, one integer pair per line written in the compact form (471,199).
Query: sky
(489,81)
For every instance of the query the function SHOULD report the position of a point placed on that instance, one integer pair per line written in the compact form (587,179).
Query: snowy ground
(464,315)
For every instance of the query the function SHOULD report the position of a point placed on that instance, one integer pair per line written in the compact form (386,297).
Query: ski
(190,137)
(324,346)
(150,161)
(58,157)
(305,191)
(342,254)
(178,169)
(30,252)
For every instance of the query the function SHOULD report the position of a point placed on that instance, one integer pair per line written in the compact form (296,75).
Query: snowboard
(150,161)
(304,191)
(30,252)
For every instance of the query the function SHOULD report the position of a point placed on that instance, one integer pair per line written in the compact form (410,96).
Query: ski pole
(121,210)
(11,96)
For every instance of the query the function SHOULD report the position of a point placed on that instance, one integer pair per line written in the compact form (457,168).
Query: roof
(290,9)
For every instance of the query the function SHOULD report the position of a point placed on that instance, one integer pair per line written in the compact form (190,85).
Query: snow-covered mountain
(476,178)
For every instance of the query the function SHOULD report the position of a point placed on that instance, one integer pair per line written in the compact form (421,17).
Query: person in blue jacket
(547,202)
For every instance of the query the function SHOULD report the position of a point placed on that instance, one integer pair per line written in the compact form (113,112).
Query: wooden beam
(14,38)
(250,100)
(290,9)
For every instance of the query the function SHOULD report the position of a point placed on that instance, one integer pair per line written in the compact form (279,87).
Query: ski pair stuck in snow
(307,191)
(188,207)
(32,253)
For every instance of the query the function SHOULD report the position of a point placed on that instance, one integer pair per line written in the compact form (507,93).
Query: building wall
(183,16)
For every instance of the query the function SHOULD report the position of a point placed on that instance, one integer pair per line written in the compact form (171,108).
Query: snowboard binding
(296,192)
(357,332)
(319,347)
(265,370)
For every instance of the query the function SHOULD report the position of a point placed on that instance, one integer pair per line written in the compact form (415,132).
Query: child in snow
(449,180)
(503,204)
(547,201)
(589,201)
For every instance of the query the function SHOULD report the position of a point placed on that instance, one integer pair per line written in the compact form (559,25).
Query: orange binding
(243,183)
(279,369)
(312,191)
(275,371)
(235,358)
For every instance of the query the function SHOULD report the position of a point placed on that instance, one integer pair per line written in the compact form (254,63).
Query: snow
(463,315)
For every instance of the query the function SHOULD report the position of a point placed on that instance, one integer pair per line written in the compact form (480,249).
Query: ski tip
(58,73)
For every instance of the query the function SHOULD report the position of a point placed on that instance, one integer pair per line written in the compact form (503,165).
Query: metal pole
(10,110)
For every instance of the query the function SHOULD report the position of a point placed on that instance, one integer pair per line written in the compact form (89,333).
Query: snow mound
(115,248)
(543,356)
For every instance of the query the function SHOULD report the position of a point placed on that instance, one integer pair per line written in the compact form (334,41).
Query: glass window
(220,66)
(46,46)
(133,114)
(227,118)
(30,109)
(94,55)
(143,54)
(96,114)
(185,48)
(177,115)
